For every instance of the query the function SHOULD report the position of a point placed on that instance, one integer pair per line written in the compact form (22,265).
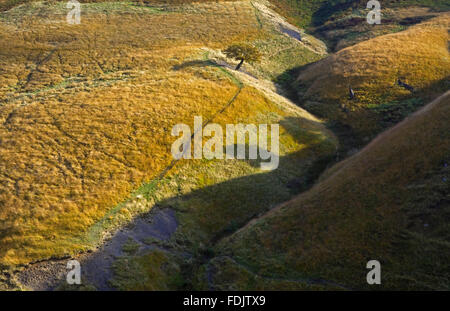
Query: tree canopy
(243,51)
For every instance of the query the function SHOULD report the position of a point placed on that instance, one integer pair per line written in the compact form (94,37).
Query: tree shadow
(210,63)
(195,63)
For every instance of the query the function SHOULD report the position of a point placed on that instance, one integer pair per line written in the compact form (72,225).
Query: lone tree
(242,52)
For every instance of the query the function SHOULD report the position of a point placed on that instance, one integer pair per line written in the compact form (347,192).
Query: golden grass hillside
(86,113)
(213,198)
(418,56)
(389,202)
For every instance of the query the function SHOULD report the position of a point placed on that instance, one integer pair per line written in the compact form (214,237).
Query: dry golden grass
(214,197)
(419,56)
(86,111)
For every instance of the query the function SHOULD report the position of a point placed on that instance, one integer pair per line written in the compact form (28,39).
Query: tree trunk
(240,64)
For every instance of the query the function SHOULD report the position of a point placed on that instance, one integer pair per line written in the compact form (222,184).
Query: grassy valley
(388,202)
(86,170)
(90,109)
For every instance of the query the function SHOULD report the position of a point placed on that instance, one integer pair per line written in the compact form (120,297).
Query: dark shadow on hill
(296,173)
(327,10)
(209,63)
(194,63)
(205,215)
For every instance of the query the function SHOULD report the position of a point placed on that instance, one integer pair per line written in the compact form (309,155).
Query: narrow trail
(38,65)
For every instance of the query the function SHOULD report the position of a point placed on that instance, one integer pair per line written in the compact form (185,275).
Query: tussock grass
(86,113)
(89,110)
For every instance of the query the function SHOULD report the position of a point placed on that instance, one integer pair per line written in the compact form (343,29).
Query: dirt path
(280,23)
(96,270)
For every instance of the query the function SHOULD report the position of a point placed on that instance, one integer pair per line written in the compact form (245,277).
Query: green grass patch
(396,111)
(157,270)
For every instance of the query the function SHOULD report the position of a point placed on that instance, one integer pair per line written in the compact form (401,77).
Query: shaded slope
(389,202)
(318,12)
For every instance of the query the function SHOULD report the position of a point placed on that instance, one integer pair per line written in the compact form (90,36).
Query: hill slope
(86,113)
(89,108)
(418,56)
(389,202)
